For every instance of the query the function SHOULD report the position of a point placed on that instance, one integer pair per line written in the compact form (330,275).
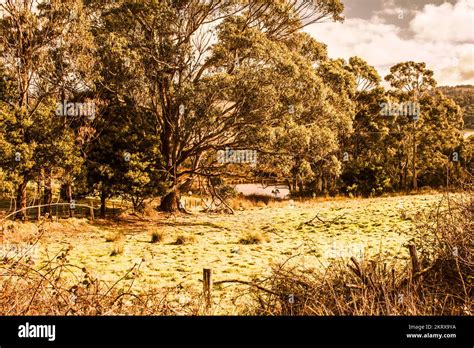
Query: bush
(227,191)
(253,237)
(157,236)
(259,198)
(183,239)
(114,237)
(119,247)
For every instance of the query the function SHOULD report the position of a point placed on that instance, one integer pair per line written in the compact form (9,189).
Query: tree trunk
(319,185)
(103,206)
(400,176)
(38,192)
(415,181)
(69,199)
(21,201)
(169,203)
(288,183)
(48,193)
(406,179)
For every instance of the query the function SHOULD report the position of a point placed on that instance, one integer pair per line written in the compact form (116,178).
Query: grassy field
(241,246)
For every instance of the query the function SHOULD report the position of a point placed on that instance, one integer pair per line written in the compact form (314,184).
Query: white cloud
(445,22)
(450,55)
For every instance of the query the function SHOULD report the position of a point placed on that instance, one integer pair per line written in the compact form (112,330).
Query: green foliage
(464,97)
(174,82)
(45,56)
(436,132)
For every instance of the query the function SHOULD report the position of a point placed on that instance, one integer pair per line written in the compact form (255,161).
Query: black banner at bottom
(236,331)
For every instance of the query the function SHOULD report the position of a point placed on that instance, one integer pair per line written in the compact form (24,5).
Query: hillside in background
(464,96)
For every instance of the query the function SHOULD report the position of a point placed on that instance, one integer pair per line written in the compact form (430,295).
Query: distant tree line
(463,95)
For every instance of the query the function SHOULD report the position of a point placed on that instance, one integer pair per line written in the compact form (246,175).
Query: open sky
(386,32)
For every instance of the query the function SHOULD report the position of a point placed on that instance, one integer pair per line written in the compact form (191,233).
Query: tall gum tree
(210,72)
(415,80)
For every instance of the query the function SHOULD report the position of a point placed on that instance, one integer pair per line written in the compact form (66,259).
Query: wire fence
(54,211)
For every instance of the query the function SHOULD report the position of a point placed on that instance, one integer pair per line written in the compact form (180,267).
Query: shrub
(253,237)
(114,237)
(259,198)
(157,236)
(119,245)
(118,248)
(227,191)
(183,239)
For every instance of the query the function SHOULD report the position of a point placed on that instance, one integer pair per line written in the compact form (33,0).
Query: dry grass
(441,283)
(149,210)
(254,237)
(255,201)
(52,291)
(260,201)
(375,223)
(60,287)
(119,248)
(184,239)
(119,244)
(157,236)
(150,288)
(114,237)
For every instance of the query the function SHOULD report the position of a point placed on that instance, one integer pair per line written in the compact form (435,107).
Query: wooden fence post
(91,210)
(207,287)
(414,259)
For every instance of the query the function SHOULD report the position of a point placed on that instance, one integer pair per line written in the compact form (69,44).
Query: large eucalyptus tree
(211,73)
